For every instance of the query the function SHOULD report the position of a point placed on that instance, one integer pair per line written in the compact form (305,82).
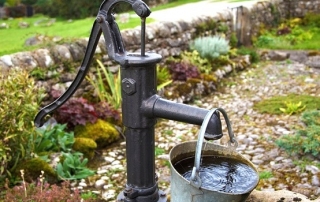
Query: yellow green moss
(32,170)
(313,53)
(273,105)
(85,145)
(184,88)
(102,132)
(209,78)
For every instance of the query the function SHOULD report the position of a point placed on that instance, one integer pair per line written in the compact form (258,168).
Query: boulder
(278,196)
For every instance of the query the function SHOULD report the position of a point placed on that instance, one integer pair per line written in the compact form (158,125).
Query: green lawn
(12,39)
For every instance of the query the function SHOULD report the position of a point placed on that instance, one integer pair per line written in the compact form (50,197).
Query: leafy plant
(210,47)
(181,71)
(163,77)
(73,167)
(305,140)
(78,111)
(112,95)
(54,139)
(20,100)
(292,108)
(194,58)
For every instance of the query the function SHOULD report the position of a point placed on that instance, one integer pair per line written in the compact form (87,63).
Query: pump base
(162,198)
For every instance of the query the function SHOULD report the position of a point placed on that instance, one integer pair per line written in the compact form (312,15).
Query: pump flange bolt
(129,86)
(99,19)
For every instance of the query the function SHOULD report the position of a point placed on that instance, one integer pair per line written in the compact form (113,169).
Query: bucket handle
(195,179)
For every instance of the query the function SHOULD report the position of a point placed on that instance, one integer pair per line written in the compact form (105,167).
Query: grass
(265,175)
(12,40)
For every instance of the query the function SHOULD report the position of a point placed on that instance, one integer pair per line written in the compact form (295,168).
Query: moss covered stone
(32,170)
(85,145)
(102,132)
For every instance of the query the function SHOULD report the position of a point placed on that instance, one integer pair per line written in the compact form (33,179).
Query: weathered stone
(6,61)
(43,57)
(278,55)
(272,196)
(76,51)
(313,61)
(24,60)
(61,53)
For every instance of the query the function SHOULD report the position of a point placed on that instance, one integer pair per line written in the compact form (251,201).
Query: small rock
(278,55)
(83,183)
(313,169)
(109,159)
(102,171)
(99,184)
(315,181)
(23,25)
(4,26)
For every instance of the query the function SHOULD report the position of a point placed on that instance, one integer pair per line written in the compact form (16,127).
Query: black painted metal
(140,106)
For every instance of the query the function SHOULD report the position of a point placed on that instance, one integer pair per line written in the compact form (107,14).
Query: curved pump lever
(104,23)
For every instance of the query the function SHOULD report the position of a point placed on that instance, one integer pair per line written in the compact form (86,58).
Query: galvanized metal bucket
(183,190)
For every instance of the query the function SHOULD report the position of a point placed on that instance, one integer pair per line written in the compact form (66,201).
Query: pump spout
(162,108)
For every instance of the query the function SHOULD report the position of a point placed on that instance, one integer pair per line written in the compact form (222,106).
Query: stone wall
(170,38)
(165,38)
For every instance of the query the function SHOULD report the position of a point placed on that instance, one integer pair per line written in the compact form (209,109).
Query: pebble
(315,181)
(99,183)
(313,169)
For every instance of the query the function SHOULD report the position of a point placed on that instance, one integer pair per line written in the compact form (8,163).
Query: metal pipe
(162,108)
(179,112)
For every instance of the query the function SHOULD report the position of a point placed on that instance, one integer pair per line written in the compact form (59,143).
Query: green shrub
(194,58)
(311,19)
(54,139)
(233,40)
(210,47)
(304,141)
(20,101)
(264,40)
(73,167)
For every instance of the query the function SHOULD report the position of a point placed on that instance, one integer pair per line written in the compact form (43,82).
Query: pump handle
(105,24)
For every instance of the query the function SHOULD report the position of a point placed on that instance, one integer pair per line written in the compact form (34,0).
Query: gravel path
(255,132)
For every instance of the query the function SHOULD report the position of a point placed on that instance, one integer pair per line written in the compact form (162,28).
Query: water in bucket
(222,174)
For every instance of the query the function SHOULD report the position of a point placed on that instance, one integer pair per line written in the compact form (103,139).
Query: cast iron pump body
(141,106)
